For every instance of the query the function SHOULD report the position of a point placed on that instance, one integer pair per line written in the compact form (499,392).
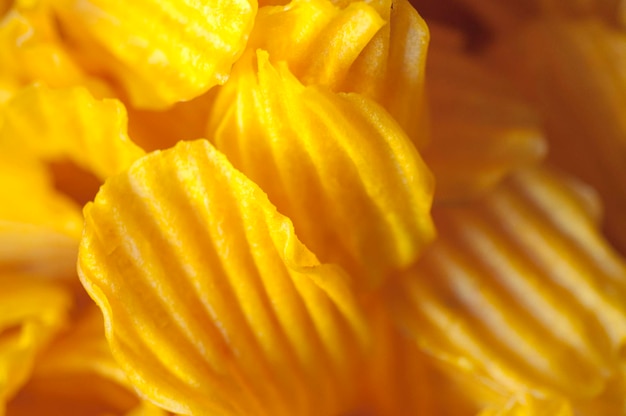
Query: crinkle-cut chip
(582,109)
(32,311)
(318,40)
(375,49)
(520,288)
(211,304)
(39,228)
(529,404)
(49,125)
(336,164)
(481,130)
(77,375)
(32,51)
(391,68)
(161,51)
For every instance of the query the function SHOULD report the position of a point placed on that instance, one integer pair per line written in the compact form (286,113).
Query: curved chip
(49,125)
(318,40)
(179,52)
(211,303)
(336,164)
(520,288)
(377,49)
(585,125)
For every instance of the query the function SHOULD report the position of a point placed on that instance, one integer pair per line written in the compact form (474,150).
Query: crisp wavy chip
(318,40)
(521,288)
(337,165)
(48,125)
(391,68)
(39,224)
(211,304)
(376,49)
(179,52)
(585,124)
(481,128)
(31,313)
(404,42)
